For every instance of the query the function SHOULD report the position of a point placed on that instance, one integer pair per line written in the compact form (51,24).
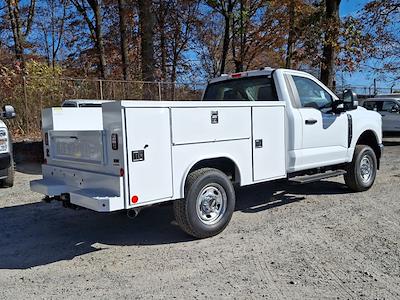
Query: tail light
(114,141)
(46,138)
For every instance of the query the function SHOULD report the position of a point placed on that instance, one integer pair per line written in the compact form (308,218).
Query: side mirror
(338,106)
(350,100)
(8,112)
(395,109)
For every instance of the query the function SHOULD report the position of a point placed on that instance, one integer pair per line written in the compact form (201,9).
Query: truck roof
(83,103)
(267,71)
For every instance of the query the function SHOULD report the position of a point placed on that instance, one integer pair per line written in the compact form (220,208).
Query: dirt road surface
(316,241)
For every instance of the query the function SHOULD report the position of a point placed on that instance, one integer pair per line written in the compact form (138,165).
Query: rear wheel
(361,172)
(208,205)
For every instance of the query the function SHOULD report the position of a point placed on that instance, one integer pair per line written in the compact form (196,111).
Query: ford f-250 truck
(251,127)
(6,155)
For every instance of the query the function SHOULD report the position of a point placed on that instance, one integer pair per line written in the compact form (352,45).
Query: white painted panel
(325,141)
(269,159)
(194,125)
(185,156)
(148,129)
(69,118)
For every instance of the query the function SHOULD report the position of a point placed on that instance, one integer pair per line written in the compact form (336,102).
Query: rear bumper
(95,191)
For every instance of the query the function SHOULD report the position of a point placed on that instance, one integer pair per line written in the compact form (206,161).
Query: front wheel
(208,204)
(9,180)
(361,172)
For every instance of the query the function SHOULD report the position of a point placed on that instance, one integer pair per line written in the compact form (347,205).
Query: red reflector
(121,172)
(45,161)
(236,75)
(135,199)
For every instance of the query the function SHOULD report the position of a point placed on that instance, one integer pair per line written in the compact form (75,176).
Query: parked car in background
(389,108)
(395,95)
(6,157)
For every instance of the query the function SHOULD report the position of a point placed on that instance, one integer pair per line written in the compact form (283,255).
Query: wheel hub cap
(211,204)
(366,168)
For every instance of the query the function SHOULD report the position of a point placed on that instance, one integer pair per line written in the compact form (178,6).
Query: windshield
(243,89)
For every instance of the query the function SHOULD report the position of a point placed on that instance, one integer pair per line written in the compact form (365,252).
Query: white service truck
(6,153)
(251,127)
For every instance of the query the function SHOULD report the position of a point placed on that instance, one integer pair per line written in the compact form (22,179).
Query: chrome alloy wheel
(211,203)
(366,168)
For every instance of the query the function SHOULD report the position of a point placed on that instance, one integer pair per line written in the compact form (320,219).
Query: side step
(317,177)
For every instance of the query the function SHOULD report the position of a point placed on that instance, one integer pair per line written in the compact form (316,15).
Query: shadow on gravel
(38,233)
(264,196)
(29,168)
(391,143)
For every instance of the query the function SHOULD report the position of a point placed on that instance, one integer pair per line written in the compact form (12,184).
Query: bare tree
(332,30)
(146,18)
(225,8)
(123,12)
(17,24)
(52,18)
(95,29)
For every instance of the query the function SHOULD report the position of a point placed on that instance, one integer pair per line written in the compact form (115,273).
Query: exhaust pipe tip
(132,213)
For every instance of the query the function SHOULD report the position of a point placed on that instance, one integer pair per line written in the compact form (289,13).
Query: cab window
(370,105)
(311,94)
(243,89)
(388,106)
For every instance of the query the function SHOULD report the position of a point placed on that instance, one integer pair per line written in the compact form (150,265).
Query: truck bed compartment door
(269,150)
(149,153)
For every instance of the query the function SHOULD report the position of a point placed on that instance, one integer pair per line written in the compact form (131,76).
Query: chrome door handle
(311,121)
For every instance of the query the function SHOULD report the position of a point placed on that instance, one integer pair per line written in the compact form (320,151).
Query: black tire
(357,179)
(9,180)
(199,214)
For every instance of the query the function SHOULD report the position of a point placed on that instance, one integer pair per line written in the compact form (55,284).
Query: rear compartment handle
(311,121)
(73,137)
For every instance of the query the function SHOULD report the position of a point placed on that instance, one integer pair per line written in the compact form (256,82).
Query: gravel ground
(315,241)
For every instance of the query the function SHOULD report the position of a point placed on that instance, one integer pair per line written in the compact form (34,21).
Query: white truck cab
(251,127)
(6,154)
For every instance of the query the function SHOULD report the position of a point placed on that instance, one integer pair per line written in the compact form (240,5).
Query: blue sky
(351,7)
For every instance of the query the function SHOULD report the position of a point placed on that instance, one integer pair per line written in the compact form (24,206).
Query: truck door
(325,134)
(268,143)
(149,153)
